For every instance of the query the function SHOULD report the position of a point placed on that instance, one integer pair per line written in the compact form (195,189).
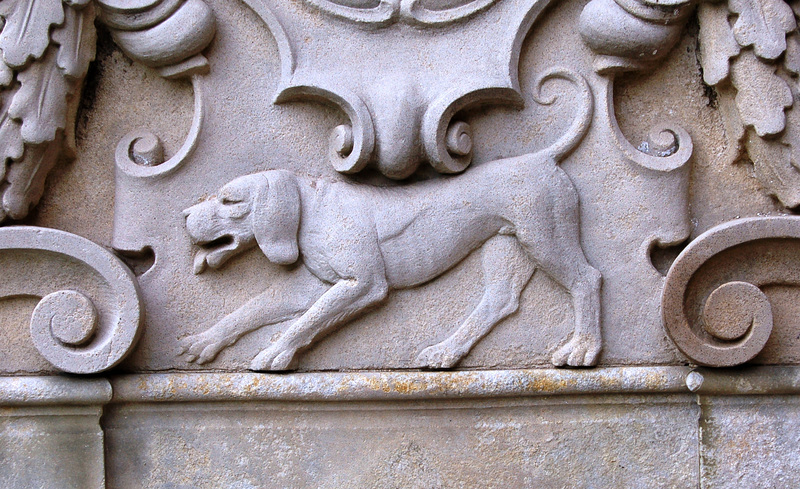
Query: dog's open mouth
(213,253)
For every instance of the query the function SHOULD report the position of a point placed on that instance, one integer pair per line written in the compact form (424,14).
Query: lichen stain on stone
(655,381)
(545,384)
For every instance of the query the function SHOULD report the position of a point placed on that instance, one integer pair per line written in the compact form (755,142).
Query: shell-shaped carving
(90,314)
(712,304)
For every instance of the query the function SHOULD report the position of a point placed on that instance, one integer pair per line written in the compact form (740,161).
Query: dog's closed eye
(227,200)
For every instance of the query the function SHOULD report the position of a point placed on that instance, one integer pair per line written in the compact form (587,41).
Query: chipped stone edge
(392,386)
(770,380)
(52,390)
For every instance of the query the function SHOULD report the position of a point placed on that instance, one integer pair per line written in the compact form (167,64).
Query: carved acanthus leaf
(762,24)
(26,177)
(6,74)
(775,164)
(761,95)
(791,59)
(761,85)
(76,39)
(11,144)
(39,92)
(26,33)
(717,44)
(40,101)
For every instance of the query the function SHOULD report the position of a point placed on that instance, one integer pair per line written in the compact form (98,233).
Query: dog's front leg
(345,300)
(262,310)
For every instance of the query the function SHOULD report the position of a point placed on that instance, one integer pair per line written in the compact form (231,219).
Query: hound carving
(366,241)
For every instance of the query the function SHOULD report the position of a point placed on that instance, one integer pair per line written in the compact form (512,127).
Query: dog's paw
(580,351)
(273,359)
(438,356)
(203,347)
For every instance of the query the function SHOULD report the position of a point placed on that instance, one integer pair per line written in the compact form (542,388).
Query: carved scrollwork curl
(669,147)
(141,154)
(351,145)
(93,318)
(712,305)
(448,142)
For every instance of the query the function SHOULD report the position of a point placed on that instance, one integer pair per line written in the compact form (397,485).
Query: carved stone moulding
(90,313)
(713,306)
(403,108)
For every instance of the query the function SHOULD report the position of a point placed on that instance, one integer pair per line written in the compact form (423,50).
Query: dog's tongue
(200,261)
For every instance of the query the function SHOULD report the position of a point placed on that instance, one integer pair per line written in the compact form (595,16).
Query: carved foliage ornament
(46,49)
(750,52)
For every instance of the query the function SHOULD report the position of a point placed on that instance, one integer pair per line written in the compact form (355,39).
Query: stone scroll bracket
(648,204)
(713,305)
(90,313)
(169,38)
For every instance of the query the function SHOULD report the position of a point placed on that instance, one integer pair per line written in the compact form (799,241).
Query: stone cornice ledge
(396,385)
(52,391)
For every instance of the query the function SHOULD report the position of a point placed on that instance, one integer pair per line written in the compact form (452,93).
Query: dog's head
(262,208)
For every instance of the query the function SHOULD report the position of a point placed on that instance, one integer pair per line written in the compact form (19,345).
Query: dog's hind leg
(506,271)
(554,245)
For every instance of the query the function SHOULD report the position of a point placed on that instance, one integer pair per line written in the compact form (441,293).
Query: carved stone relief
(368,241)
(434,211)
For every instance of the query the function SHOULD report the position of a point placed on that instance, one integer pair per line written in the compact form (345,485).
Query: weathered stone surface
(750,442)
(50,434)
(516,443)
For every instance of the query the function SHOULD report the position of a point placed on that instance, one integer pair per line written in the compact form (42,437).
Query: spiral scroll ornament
(713,306)
(93,318)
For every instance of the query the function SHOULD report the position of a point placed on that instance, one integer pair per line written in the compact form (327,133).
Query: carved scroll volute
(90,314)
(713,306)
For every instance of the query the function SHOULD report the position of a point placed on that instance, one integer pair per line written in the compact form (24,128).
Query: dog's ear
(276,216)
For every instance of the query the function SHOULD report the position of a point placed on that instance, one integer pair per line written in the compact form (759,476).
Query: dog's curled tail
(580,125)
